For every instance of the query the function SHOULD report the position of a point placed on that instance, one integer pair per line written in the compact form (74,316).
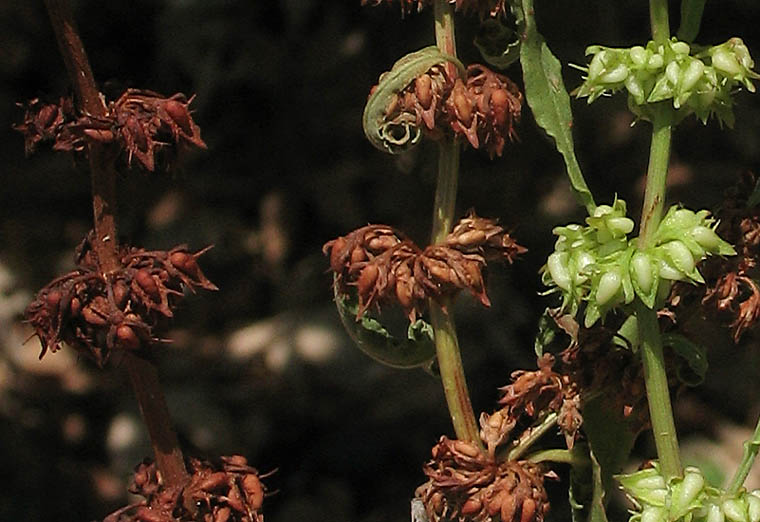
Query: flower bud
(735,510)
(673,73)
(679,256)
(609,284)
(753,507)
(558,269)
(726,63)
(638,55)
(641,265)
(582,260)
(656,61)
(597,65)
(616,75)
(706,237)
(681,48)
(668,271)
(692,74)
(635,89)
(715,514)
(654,514)
(620,226)
(686,492)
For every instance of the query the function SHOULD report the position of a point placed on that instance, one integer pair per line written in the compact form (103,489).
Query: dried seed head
(143,125)
(218,491)
(126,309)
(467,485)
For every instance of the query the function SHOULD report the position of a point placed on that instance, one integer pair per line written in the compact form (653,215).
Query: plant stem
(655,377)
(442,320)
(536,432)
(563,456)
(143,374)
(691,18)
(658,17)
(751,448)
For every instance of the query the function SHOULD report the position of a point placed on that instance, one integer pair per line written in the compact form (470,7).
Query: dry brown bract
(467,485)
(227,491)
(143,125)
(128,309)
(386,267)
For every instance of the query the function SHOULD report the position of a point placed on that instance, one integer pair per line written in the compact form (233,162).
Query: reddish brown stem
(143,374)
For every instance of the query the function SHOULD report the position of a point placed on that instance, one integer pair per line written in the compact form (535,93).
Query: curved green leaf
(418,349)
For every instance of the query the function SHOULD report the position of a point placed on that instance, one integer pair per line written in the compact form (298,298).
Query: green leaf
(547,97)
(586,492)
(418,349)
(695,356)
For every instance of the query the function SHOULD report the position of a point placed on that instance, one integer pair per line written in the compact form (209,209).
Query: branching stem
(143,374)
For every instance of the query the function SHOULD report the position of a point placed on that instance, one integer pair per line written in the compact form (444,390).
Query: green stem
(691,18)
(655,377)
(659,156)
(658,16)
(535,433)
(562,456)
(751,447)
(444,329)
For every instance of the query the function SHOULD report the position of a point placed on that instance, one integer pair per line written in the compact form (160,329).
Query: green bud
(641,265)
(616,75)
(620,226)
(656,61)
(715,514)
(635,89)
(753,507)
(673,73)
(668,271)
(735,510)
(638,55)
(582,260)
(686,492)
(726,62)
(597,65)
(654,514)
(609,284)
(558,269)
(692,74)
(679,256)
(706,237)
(681,48)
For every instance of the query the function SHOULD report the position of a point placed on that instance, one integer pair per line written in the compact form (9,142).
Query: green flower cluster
(687,499)
(700,83)
(599,265)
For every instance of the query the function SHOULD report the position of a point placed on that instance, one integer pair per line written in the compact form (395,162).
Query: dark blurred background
(262,367)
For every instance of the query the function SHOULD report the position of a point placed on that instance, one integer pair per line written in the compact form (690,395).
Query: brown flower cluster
(484,8)
(483,107)
(142,125)
(731,294)
(97,313)
(532,393)
(386,267)
(227,491)
(465,484)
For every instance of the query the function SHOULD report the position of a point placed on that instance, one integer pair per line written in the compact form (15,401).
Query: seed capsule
(734,510)
(692,74)
(254,491)
(178,112)
(127,337)
(638,55)
(616,75)
(726,63)
(145,280)
(680,256)
(706,237)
